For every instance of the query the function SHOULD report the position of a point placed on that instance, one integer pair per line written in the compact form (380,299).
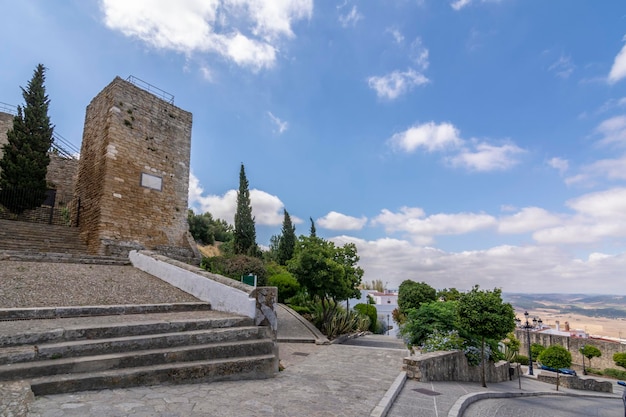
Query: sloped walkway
(293,328)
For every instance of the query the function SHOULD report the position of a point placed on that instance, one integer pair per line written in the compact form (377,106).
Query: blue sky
(454,142)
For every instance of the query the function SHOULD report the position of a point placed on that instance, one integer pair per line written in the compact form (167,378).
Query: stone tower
(6,123)
(133,174)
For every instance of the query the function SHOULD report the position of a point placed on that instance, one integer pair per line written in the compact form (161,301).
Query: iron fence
(34,206)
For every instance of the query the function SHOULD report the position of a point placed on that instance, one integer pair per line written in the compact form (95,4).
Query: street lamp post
(526,325)
(387,324)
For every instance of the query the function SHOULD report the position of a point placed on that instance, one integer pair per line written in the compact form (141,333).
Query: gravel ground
(40,284)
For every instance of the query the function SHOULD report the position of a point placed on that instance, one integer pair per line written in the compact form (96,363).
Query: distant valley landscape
(598,315)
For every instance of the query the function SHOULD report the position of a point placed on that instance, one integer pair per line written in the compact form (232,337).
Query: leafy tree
(205,230)
(423,321)
(369,311)
(557,357)
(286,283)
(448,294)
(620,359)
(411,294)
(287,241)
(245,233)
(328,273)
(590,352)
(375,284)
(398,317)
(484,314)
(24,164)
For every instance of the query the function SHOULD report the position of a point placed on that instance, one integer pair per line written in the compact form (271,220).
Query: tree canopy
(590,352)
(206,230)
(423,321)
(557,357)
(484,314)
(25,160)
(287,240)
(245,233)
(327,272)
(412,294)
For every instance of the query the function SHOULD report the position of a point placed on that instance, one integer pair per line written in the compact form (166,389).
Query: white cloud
(338,221)
(486,157)
(600,215)
(246,32)
(351,18)
(280,125)
(397,35)
(527,220)
(562,67)
(459,4)
(618,70)
(396,83)
(613,131)
(560,164)
(430,136)
(207,74)
(419,54)
(612,169)
(535,269)
(267,209)
(411,220)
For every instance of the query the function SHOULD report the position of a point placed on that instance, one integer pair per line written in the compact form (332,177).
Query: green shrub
(340,321)
(368,310)
(615,373)
(287,285)
(595,371)
(620,359)
(236,266)
(536,349)
(443,340)
(522,359)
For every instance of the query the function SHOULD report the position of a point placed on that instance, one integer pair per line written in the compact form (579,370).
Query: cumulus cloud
(618,70)
(267,209)
(247,32)
(485,157)
(396,83)
(412,222)
(351,18)
(610,168)
(338,221)
(281,126)
(598,216)
(539,269)
(613,131)
(445,137)
(429,136)
(528,219)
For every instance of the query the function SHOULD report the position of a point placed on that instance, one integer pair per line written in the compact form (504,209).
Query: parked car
(564,371)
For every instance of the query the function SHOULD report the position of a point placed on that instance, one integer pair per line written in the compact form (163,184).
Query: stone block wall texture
(573,345)
(6,123)
(133,173)
(452,366)
(573,382)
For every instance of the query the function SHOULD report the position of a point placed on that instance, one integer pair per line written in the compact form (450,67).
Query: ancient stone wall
(573,382)
(573,345)
(6,123)
(452,366)
(133,173)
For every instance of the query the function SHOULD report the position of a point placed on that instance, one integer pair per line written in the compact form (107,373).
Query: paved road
(553,406)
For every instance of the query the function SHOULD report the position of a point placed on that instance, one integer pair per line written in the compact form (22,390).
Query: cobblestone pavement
(319,381)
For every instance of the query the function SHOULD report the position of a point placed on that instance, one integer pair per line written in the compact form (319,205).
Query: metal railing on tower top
(163,95)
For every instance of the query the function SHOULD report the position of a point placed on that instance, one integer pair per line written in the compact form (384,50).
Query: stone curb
(384,405)
(317,337)
(465,401)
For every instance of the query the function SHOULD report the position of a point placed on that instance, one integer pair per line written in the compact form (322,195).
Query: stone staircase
(25,241)
(67,349)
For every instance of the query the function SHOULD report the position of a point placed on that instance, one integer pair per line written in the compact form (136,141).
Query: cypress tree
(245,234)
(287,242)
(25,161)
(312,233)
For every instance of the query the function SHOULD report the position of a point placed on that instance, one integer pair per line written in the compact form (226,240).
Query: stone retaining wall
(573,382)
(452,366)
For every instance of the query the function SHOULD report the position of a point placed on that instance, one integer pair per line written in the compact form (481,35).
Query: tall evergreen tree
(287,242)
(25,161)
(312,233)
(245,233)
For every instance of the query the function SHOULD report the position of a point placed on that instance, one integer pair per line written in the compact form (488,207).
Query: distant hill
(610,306)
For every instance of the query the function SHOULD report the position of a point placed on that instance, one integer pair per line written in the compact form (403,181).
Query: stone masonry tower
(133,174)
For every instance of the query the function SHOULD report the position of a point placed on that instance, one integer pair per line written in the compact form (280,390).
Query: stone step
(30,255)
(252,367)
(50,351)
(90,364)
(91,311)
(29,333)
(19,236)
